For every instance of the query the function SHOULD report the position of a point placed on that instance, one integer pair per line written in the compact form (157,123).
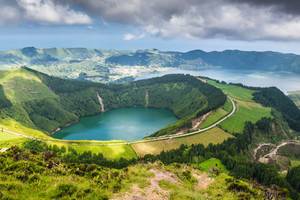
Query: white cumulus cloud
(46,11)
(229,19)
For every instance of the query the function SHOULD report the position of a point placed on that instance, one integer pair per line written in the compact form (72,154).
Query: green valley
(149,100)
(207,151)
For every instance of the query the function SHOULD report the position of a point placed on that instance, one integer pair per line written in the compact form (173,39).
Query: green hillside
(276,99)
(52,177)
(214,163)
(47,103)
(247,109)
(295,96)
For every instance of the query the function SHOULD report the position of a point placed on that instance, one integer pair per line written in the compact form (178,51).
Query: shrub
(65,190)
(35,146)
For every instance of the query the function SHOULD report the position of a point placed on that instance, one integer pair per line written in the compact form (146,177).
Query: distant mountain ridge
(32,55)
(229,59)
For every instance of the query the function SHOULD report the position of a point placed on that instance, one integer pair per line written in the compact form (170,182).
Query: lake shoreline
(72,131)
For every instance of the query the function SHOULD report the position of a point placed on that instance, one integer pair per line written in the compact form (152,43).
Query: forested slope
(273,97)
(40,101)
(295,96)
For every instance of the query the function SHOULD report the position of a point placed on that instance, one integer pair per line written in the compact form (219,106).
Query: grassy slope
(13,83)
(5,136)
(211,163)
(295,162)
(30,178)
(214,136)
(247,109)
(295,96)
(110,151)
(218,114)
(22,87)
(234,91)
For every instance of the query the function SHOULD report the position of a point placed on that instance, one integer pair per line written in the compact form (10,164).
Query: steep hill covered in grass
(46,103)
(295,96)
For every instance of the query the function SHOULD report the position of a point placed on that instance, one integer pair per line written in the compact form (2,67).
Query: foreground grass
(295,162)
(5,136)
(210,164)
(200,184)
(29,176)
(31,179)
(213,136)
(12,142)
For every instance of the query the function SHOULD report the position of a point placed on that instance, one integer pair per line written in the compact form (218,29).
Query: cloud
(130,36)
(8,14)
(229,19)
(40,12)
(46,11)
(286,6)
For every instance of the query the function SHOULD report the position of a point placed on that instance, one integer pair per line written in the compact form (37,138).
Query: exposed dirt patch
(277,154)
(153,191)
(203,181)
(196,122)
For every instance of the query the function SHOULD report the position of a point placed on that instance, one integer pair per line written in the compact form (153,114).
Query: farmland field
(247,108)
(214,136)
(246,111)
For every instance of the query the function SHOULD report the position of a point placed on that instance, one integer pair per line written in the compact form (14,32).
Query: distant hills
(231,59)
(109,65)
(34,56)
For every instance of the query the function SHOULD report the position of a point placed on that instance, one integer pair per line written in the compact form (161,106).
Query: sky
(260,25)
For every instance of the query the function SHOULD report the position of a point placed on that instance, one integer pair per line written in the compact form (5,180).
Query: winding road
(166,137)
(160,138)
(274,151)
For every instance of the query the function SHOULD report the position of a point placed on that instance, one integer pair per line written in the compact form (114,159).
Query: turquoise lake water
(119,124)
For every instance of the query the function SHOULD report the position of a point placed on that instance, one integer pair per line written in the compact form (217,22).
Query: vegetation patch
(295,96)
(276,99)
(247,108)
(212,136)
(246,111)
(235,91)
(46,103)
(211,165)
(5,136)
(218,114)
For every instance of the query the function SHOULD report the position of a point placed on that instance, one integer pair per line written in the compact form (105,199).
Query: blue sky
(135,24)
